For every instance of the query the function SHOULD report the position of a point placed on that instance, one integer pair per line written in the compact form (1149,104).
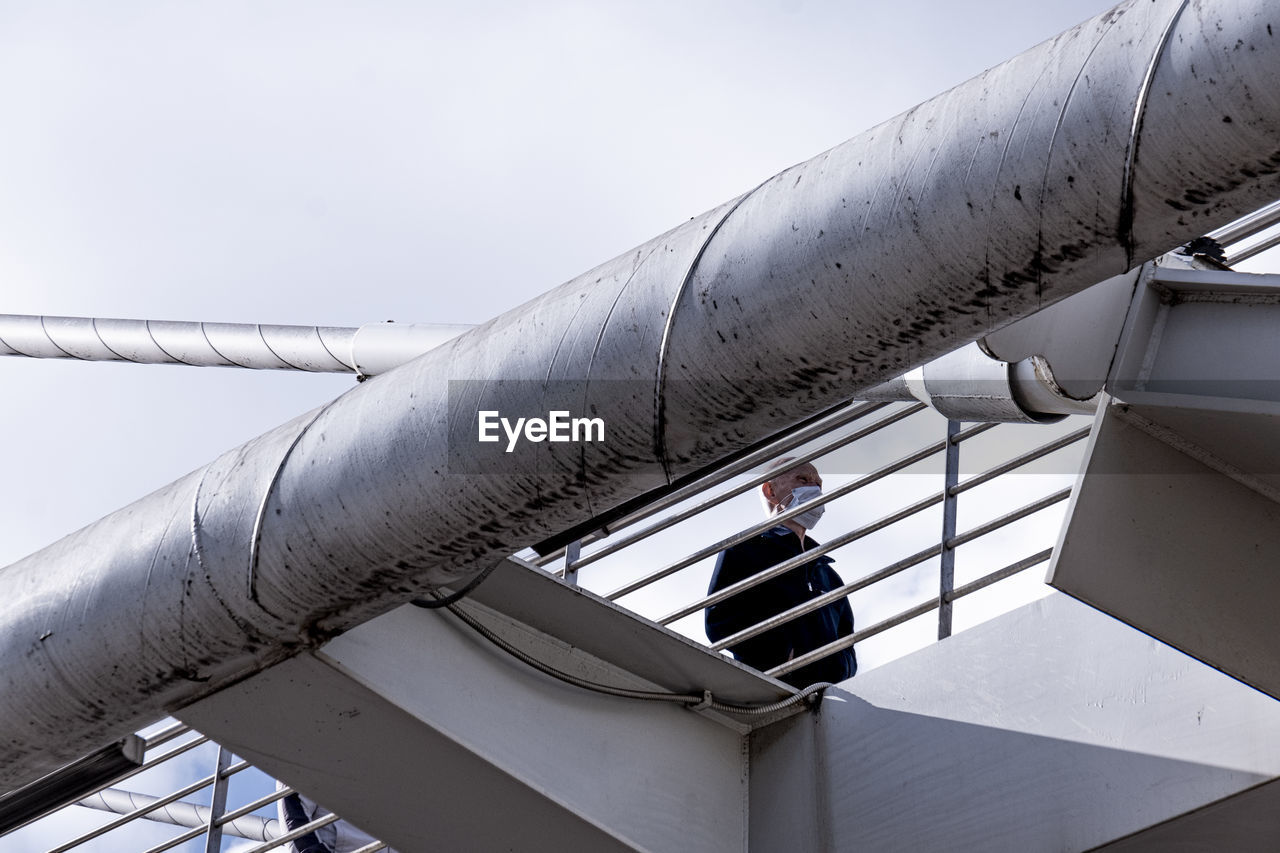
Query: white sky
(339,163)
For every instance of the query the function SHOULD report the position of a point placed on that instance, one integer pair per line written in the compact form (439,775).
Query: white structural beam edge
(368,350)
(1060,168)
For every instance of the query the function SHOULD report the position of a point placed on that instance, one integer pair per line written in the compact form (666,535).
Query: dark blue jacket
(772,597)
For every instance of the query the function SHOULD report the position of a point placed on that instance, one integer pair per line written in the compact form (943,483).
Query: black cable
(691,701)
(454,597)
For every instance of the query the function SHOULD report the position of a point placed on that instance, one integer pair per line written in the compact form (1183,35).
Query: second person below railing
(793,486)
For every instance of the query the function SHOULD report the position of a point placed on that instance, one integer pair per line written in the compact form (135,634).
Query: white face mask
(808,519)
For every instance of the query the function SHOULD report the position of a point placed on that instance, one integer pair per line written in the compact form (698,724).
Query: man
(795,485)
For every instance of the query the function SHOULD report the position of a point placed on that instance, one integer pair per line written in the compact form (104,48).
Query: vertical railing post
(571,553)
(217,803)
(949,497)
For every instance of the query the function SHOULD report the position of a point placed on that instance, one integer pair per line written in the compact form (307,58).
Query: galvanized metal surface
(1038,178)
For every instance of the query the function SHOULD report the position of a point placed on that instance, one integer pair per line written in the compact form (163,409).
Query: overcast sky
(338,163)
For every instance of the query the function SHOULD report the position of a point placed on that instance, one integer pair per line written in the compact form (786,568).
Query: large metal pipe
(1066,165)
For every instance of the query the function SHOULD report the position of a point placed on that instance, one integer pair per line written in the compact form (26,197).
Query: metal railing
(209,826)
(654,547)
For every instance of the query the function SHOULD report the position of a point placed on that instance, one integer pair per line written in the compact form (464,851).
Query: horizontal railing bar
(761,477)
(267,800)
(1000,574)
(972,432)
(1018,461)
(829,597)
(800,559)
(1255,249)
(165,735)
(728,472)
(774,520)
(1246,226)
(292,834)
(372,847)
(908,615)
(178,839)
(1009,518)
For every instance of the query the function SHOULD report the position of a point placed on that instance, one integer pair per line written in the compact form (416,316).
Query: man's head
(777,491)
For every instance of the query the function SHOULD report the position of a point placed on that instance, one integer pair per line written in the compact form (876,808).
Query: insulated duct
(1064,166)
(969,385)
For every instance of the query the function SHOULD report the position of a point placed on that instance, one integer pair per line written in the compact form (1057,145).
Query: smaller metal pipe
(907,615)
(755,481)
(1010,518)
(108,800)
(365,351)
(774,520)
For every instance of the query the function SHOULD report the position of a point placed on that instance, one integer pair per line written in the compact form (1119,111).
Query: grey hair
(774,469)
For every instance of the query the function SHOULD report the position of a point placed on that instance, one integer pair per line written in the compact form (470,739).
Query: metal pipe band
(981,206)
(827,447)
(774,520)
(909,614)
